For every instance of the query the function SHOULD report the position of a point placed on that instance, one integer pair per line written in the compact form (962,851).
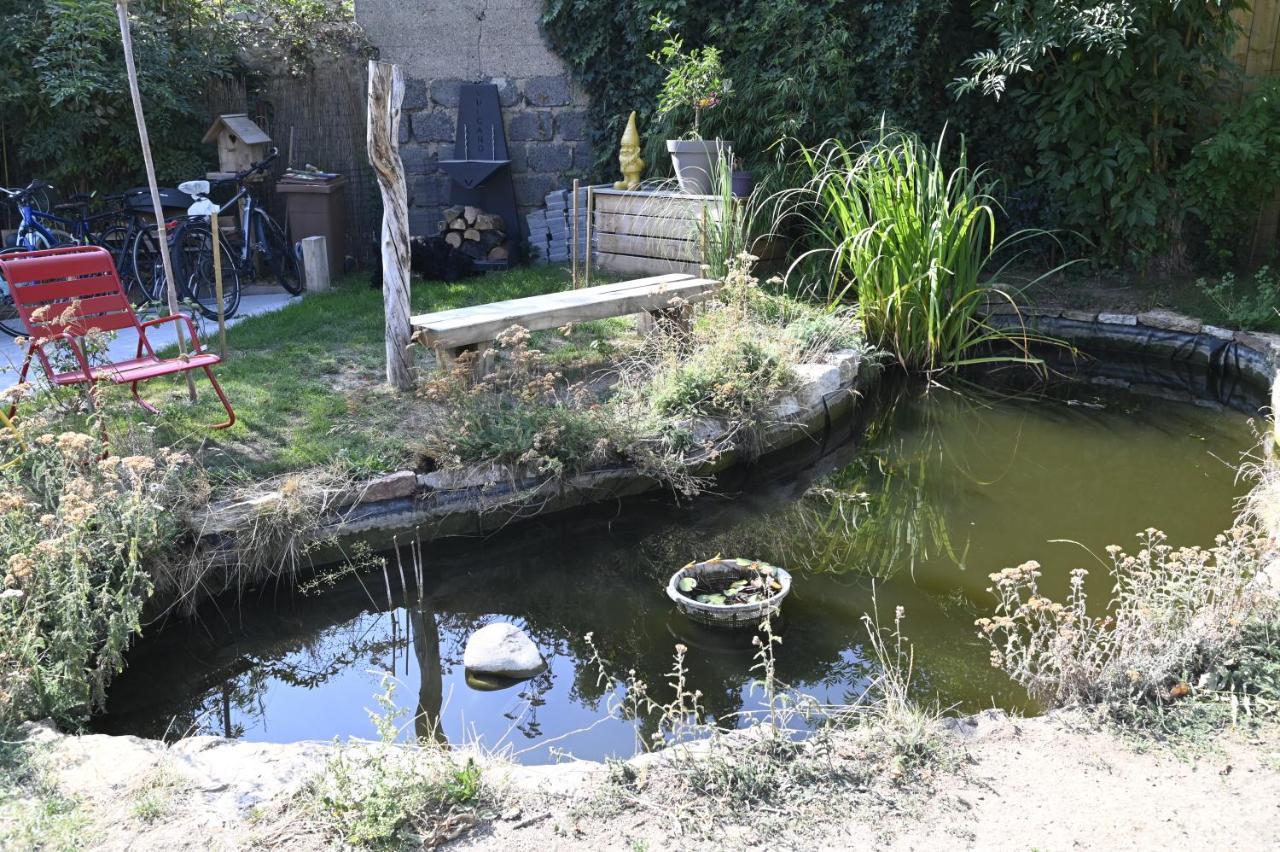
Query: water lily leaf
(703,599)
(743,563)
(687,584)
(715,599)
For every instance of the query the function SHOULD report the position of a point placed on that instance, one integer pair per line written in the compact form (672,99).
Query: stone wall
(441,45)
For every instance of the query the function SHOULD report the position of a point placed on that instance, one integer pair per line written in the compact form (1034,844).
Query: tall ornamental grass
(908,241)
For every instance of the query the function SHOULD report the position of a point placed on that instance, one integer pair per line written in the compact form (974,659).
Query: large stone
(551,157)
(502,649)
(1117,319)
(390,487)
(446,93)
(847,361)
(547,91)
(508,91)
(815,382)
(433,126)
(1170,321)
(571,126)
(416,95)
(530,126)
(531,189)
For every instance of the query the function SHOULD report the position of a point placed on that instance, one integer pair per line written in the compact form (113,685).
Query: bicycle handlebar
(34,186)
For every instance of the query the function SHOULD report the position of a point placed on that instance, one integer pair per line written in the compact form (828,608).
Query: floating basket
(719,574)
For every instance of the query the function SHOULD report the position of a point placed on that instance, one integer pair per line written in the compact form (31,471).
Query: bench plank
(481,323)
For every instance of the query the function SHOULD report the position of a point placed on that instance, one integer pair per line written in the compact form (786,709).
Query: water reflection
(938,490)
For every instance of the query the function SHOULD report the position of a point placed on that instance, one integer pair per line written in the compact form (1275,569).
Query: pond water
(930,491)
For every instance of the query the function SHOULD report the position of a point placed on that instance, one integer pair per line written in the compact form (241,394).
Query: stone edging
(449,503)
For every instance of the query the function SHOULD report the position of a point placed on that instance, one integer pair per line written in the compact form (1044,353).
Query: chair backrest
(74,289)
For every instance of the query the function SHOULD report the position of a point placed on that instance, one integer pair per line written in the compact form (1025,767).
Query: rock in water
(502,649)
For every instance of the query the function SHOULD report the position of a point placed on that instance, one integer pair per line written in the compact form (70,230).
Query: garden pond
(913,503)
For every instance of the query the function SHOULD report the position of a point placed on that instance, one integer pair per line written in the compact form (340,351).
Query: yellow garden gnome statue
(629,157)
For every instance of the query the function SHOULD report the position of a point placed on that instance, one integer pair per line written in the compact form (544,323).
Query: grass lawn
(306,382)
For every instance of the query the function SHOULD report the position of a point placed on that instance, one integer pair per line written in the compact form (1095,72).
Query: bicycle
(260,237)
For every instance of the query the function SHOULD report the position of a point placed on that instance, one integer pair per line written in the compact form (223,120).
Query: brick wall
(442,45)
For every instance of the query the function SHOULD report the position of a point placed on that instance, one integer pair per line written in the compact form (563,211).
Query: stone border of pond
(442,504)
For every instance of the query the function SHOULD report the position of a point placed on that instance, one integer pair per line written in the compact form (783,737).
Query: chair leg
(22,377)
(217,388)
(150,409)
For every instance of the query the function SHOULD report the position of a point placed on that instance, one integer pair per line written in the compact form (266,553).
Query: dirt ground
(1017,784)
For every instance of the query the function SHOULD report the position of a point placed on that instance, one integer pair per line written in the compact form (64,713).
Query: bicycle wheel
(279,254)
(144,265)
(195,245)
(10,322)
(115,239)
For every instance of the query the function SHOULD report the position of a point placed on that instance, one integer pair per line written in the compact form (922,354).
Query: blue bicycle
(123,230)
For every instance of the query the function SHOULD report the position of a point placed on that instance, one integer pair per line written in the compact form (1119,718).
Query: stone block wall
(442,45)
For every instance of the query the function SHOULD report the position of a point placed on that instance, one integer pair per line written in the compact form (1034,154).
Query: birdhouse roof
(241,125)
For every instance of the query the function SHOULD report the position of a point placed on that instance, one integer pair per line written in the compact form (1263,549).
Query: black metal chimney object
(481,169)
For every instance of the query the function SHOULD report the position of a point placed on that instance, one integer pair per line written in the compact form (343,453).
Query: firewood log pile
(475,233)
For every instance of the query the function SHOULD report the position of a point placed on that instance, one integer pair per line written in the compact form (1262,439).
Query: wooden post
(217,282)
(386,93)
(315,264)
(573,248)
(122,12)
(591,202)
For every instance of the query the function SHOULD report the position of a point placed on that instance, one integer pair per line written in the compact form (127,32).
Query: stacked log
(475,233)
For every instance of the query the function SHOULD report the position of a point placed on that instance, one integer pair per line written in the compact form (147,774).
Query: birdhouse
(241,143)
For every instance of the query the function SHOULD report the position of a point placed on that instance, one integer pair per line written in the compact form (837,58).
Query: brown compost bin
(317,208)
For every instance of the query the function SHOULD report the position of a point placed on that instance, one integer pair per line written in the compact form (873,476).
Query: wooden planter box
(650,232)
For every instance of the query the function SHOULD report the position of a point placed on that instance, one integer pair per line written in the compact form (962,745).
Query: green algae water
(930,492)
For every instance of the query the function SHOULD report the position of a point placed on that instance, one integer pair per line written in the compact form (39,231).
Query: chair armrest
(191,328)
(38,343)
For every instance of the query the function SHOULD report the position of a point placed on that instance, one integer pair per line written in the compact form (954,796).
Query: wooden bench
(449,333)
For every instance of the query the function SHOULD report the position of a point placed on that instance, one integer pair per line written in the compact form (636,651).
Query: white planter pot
(696,161)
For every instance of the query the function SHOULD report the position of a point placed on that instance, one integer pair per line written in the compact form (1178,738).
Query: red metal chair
(64,293)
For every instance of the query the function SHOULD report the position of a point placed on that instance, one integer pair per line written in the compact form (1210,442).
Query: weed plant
(385,795)
(80,531)
(1247,305)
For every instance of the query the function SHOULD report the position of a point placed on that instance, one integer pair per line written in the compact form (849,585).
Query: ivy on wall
(809,69)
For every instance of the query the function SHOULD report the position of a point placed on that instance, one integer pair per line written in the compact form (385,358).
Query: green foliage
(67,114)
(1111,97)
(79,532)
(907,240)
(695,80)
(809,70)
(34,814)
(1230,174)
(1239,308)
(733,376)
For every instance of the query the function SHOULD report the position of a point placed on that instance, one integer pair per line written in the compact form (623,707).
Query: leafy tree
(1112,96)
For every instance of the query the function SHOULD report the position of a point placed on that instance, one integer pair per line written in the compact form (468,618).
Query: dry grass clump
(1175,615)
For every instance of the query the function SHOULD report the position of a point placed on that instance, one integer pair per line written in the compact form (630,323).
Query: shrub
(78,531)
(1231,173)
(695,80)
(1174,614)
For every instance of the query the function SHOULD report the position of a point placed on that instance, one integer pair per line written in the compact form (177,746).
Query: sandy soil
(1049,783)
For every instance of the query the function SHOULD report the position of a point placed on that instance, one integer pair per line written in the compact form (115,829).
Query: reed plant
(909,241)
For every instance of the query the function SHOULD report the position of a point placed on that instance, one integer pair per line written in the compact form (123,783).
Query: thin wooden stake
(122,12)
(574,248)
(217,282)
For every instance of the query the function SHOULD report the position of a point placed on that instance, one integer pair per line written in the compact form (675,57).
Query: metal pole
(591,203)
(122,11)
(574,248)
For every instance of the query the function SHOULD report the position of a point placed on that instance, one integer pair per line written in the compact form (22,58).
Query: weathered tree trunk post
(386,92)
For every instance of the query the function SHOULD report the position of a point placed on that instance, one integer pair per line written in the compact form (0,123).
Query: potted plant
(695,80)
